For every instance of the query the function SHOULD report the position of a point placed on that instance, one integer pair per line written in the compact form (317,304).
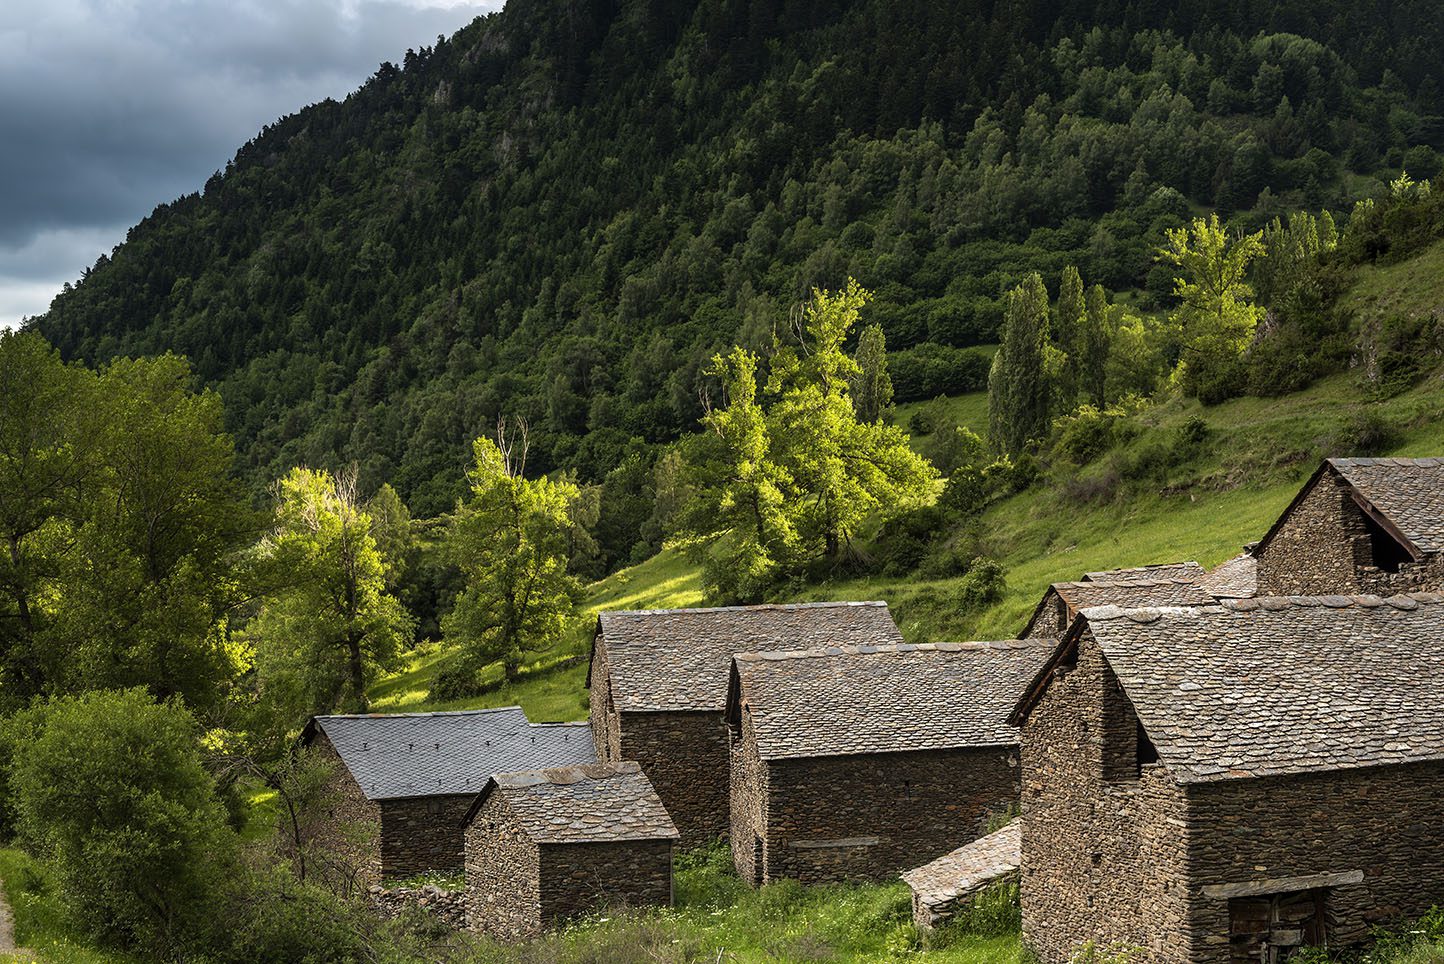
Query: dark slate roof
(1235,579)
(845,700)
(1166,570)
(1408,492)
(678,659)
(594,803)
(1128,593)
(394,755)
(1273,686)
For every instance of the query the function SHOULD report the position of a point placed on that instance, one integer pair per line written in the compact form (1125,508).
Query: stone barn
(545,846)
(1063,600)
(1359,525)
(859,762)
(1229,783)
(658,685)
(404,781)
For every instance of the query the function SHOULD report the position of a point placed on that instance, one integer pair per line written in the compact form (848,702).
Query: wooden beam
(1282,885)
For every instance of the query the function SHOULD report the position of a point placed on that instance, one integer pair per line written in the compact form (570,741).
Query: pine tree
(872,386)
(1018,385)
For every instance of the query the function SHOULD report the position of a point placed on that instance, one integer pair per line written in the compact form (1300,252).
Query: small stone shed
(405,780)
(1359,525)
(658,685)
(1229,783)
(859,762)
(1064,600)
(1189,570)
(944,886)
(542,847)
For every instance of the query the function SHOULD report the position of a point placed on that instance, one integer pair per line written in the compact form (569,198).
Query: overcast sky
(110,107)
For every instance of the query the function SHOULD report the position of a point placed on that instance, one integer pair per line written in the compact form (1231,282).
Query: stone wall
(347,833)
(581,878)
(1324,547)
(1051,618)
(503,875)
(872,816)
(685,755)
(1383,826)
(1102,859)
(423,835)
(602,712)
(748,799)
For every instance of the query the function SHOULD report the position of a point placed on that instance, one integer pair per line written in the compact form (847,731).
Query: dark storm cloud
(109,107)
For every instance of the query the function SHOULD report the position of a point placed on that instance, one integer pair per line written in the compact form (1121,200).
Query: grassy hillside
(1205,504)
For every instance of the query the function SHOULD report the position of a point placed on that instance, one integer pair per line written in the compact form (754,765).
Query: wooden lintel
(1282,885)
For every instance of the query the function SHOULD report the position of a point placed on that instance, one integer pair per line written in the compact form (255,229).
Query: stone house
(545,846)
(1359,525)
(403,781)
(1228,783)
(658,686)
(859,762)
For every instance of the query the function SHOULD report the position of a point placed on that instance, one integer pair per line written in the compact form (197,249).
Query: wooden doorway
(1269,928)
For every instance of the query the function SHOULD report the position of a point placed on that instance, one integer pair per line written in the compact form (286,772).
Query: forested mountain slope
(564,209)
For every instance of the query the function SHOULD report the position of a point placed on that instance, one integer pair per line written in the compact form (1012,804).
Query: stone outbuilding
(658,685)
(1359,525)
(404,781)
(1188,570)
(546,846)
(859,762)
(1229,783)
(944,886)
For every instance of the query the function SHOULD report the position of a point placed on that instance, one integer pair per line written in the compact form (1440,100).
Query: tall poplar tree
(872,386)
(1068,334)
(1019,392)
(1093,370)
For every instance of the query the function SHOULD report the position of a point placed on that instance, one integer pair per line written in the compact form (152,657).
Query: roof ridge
(1145,614)
(1113,583)
(433,713)
(561,776)
(1428,461)
(764,607)
(778,655)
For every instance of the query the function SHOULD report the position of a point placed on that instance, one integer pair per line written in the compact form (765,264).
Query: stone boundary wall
(873,816)
(581,878)
(1103,860)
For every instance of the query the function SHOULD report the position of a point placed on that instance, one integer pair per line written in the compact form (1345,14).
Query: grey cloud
(109,107)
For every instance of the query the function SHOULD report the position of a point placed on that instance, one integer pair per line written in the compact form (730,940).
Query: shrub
(905,541)
(138,851)
(966,491)
(922,422)
(984,584)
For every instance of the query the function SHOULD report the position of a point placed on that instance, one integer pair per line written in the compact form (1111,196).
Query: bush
(966,491)
(905,541)
(930,370)
(984,585)
(138,852)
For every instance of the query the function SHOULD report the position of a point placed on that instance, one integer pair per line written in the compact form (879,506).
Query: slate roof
(1274,686)
(845,700)
(678,659)
(1166,570)
(395,755)
(1127,593)
(943,882)
(592,803)
(1235,579)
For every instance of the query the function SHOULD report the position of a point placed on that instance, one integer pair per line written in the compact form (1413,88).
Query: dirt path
(8,950)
